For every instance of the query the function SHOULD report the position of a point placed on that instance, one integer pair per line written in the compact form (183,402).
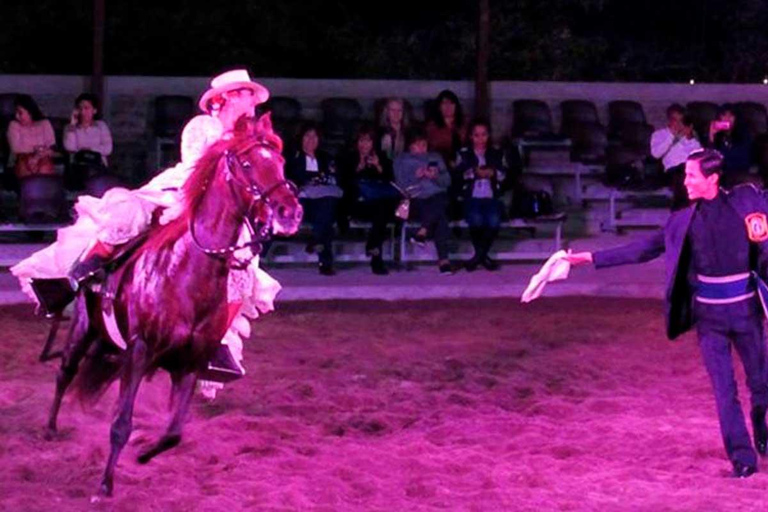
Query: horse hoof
(50,433)
(105,491)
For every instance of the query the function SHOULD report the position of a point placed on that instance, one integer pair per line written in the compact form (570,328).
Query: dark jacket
(673,241)
(296,168)
(467,163)
(349,177)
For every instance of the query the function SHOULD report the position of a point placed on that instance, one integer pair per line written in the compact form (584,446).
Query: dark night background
(568,40)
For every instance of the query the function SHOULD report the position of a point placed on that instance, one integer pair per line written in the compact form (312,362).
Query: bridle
(259,231)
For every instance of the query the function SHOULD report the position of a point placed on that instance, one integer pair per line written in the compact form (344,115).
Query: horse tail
(100,368)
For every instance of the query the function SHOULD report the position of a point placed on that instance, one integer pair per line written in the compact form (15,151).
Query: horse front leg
(123,422)
(79,338)
(183,389)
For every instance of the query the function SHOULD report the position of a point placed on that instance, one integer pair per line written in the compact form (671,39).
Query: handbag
(532,203)
(29,164)
(91,160)
(403,210)
(376,190)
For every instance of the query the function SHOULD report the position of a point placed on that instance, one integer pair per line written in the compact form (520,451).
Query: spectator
(424,175)
(445,128)
(672,145)
(87,139)
(314,172)
(366,177)
(484,169)
(734,143)
(31,139)
(393,126)
(445,134)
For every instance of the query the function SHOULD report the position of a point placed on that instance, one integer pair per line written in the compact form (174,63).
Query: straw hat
(232,81)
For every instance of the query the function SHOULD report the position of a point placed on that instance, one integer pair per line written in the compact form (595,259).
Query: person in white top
(88,141)
(82,249)
(672,145)
(86,130)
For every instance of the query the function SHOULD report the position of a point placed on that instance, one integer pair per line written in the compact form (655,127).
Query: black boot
(476,234)
(223,367)
(377,265)
(759,429)
(489,236)
(56,293)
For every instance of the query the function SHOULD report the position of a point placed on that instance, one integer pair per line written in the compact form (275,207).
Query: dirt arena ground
(483,405)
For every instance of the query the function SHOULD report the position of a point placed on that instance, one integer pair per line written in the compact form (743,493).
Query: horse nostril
(282,212)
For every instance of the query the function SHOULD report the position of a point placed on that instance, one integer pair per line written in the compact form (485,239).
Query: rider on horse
(53,275)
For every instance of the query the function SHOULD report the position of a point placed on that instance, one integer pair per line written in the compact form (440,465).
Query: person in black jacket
(313,171)
(483,169)
(716,253)
(366,177)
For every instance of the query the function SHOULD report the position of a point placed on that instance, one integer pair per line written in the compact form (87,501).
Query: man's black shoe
(759,429)
(741,470)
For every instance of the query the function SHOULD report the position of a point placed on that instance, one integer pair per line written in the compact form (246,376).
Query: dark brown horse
(170,295)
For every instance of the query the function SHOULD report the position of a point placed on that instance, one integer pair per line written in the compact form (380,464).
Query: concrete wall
(129,109)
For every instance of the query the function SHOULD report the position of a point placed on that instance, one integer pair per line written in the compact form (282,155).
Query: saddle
(55,294)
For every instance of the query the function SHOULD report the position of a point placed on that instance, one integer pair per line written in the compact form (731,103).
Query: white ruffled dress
(122,214)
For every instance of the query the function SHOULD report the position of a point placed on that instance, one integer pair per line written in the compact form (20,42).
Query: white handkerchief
(555,269)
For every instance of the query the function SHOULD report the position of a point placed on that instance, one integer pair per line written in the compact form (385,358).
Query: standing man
(672,145)
(716,259)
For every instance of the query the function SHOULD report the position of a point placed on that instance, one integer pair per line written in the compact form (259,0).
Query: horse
(169,296)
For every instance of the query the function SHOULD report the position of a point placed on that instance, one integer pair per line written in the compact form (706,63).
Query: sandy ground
(565,404)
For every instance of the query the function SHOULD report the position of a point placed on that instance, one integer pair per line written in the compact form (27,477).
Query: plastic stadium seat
(41,199)
(637,136)
(341,118)
(752,116)
(532,119)
(589,142)
(286,116)
(624,112)
(98,185)
(171,114)
(576,112)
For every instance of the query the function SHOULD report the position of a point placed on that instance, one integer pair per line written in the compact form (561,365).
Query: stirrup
(54,294)
(222,367)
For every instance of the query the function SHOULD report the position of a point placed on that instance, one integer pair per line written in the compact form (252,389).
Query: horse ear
(264,124)
(245,126)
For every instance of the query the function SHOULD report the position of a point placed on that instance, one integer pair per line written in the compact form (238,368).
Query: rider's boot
(54,294)
(223,367)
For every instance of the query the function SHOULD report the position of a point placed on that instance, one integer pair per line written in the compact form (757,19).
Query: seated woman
(87,139)
(393,126)
(366,177)
(446,132)
(425,177)
(314,172)
(31,139)
(483,169)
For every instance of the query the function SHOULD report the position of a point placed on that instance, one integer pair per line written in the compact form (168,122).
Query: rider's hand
(578,258)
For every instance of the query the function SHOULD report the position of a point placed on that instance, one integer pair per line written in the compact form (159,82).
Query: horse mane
(203,174)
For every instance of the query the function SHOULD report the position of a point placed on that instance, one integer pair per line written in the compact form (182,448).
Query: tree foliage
(644,40)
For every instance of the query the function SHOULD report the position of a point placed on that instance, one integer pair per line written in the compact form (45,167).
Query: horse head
(255,162)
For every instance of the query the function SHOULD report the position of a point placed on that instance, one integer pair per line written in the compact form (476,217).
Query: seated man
(672,145)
